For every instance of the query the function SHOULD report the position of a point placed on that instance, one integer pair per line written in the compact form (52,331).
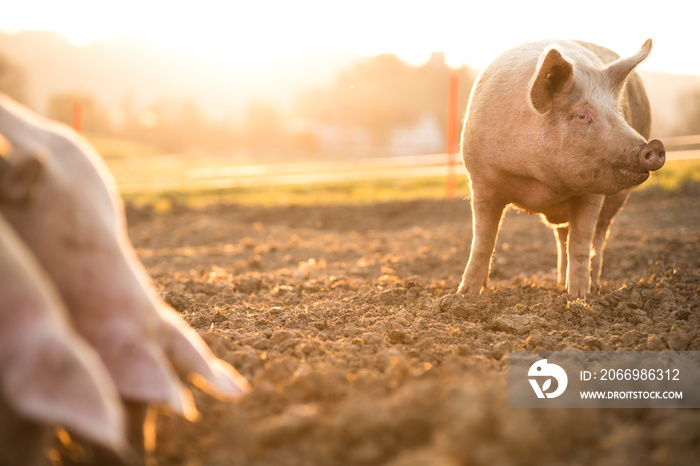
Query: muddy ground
(342,319)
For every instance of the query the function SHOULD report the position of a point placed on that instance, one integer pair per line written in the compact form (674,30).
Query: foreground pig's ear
(554,75)
(61,381)
(142,374)
(19,180)
(620,69)
(194,360)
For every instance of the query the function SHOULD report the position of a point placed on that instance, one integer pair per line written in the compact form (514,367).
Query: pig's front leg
(611,206)
(584,215)
(562,236)
(487,211)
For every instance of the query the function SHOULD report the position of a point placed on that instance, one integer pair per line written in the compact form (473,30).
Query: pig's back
(512,71)
(499,115)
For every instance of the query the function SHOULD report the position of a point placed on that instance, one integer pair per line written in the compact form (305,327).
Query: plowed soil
(345,321)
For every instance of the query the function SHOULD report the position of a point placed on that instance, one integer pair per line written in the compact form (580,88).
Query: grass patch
(369,191)
(671,178)
(112,147)
(674,175)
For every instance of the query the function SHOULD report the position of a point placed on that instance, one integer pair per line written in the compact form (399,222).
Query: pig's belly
(534,196)
(555,215)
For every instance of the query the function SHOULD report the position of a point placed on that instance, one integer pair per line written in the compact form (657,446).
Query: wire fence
(338,171)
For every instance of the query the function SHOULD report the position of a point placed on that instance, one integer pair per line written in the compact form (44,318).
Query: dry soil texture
(344,320)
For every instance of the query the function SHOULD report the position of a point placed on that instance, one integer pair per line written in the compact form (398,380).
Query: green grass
(111,148)
(133,162)
(337,193)
(674,175)
(671,178)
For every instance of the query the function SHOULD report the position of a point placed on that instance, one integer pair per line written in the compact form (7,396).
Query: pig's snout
(653,156)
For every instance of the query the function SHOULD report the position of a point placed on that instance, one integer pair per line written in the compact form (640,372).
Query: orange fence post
(452,134)
(78,116)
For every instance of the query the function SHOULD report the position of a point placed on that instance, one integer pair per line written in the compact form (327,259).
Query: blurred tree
(172,125)
(689,105)
(182,125)
(95,119)
(175,125)
(382,93)
(262,126)
(12,79)
(223,135)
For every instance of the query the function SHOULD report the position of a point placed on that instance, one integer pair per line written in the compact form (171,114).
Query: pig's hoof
(466,289)
(574,295)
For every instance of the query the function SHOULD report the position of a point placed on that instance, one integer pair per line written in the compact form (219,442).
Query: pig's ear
(141,373)
(619,70)
(554,75)
(61,381)
(20,179)
(194,360)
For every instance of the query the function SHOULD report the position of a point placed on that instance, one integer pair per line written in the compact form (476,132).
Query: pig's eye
(582,118)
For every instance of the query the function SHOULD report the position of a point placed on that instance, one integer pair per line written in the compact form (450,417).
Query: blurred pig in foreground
(48,375)
(57,194)
(559,128)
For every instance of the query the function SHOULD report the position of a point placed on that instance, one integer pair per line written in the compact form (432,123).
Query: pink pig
(48,374)
(57,194)
(559,128)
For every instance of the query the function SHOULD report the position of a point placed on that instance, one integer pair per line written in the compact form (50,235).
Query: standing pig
(559,128)
(48,374)
(59,197)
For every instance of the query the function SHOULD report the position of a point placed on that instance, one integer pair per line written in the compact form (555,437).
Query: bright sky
(468,32)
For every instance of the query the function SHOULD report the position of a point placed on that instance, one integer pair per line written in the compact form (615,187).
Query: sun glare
(253,32)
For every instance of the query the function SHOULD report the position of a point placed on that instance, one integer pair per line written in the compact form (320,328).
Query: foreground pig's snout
(652,156)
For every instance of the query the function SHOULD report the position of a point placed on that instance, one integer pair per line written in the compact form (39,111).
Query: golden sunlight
(258,32)
(275,80)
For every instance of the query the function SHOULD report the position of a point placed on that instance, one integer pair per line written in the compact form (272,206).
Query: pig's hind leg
(487,212)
